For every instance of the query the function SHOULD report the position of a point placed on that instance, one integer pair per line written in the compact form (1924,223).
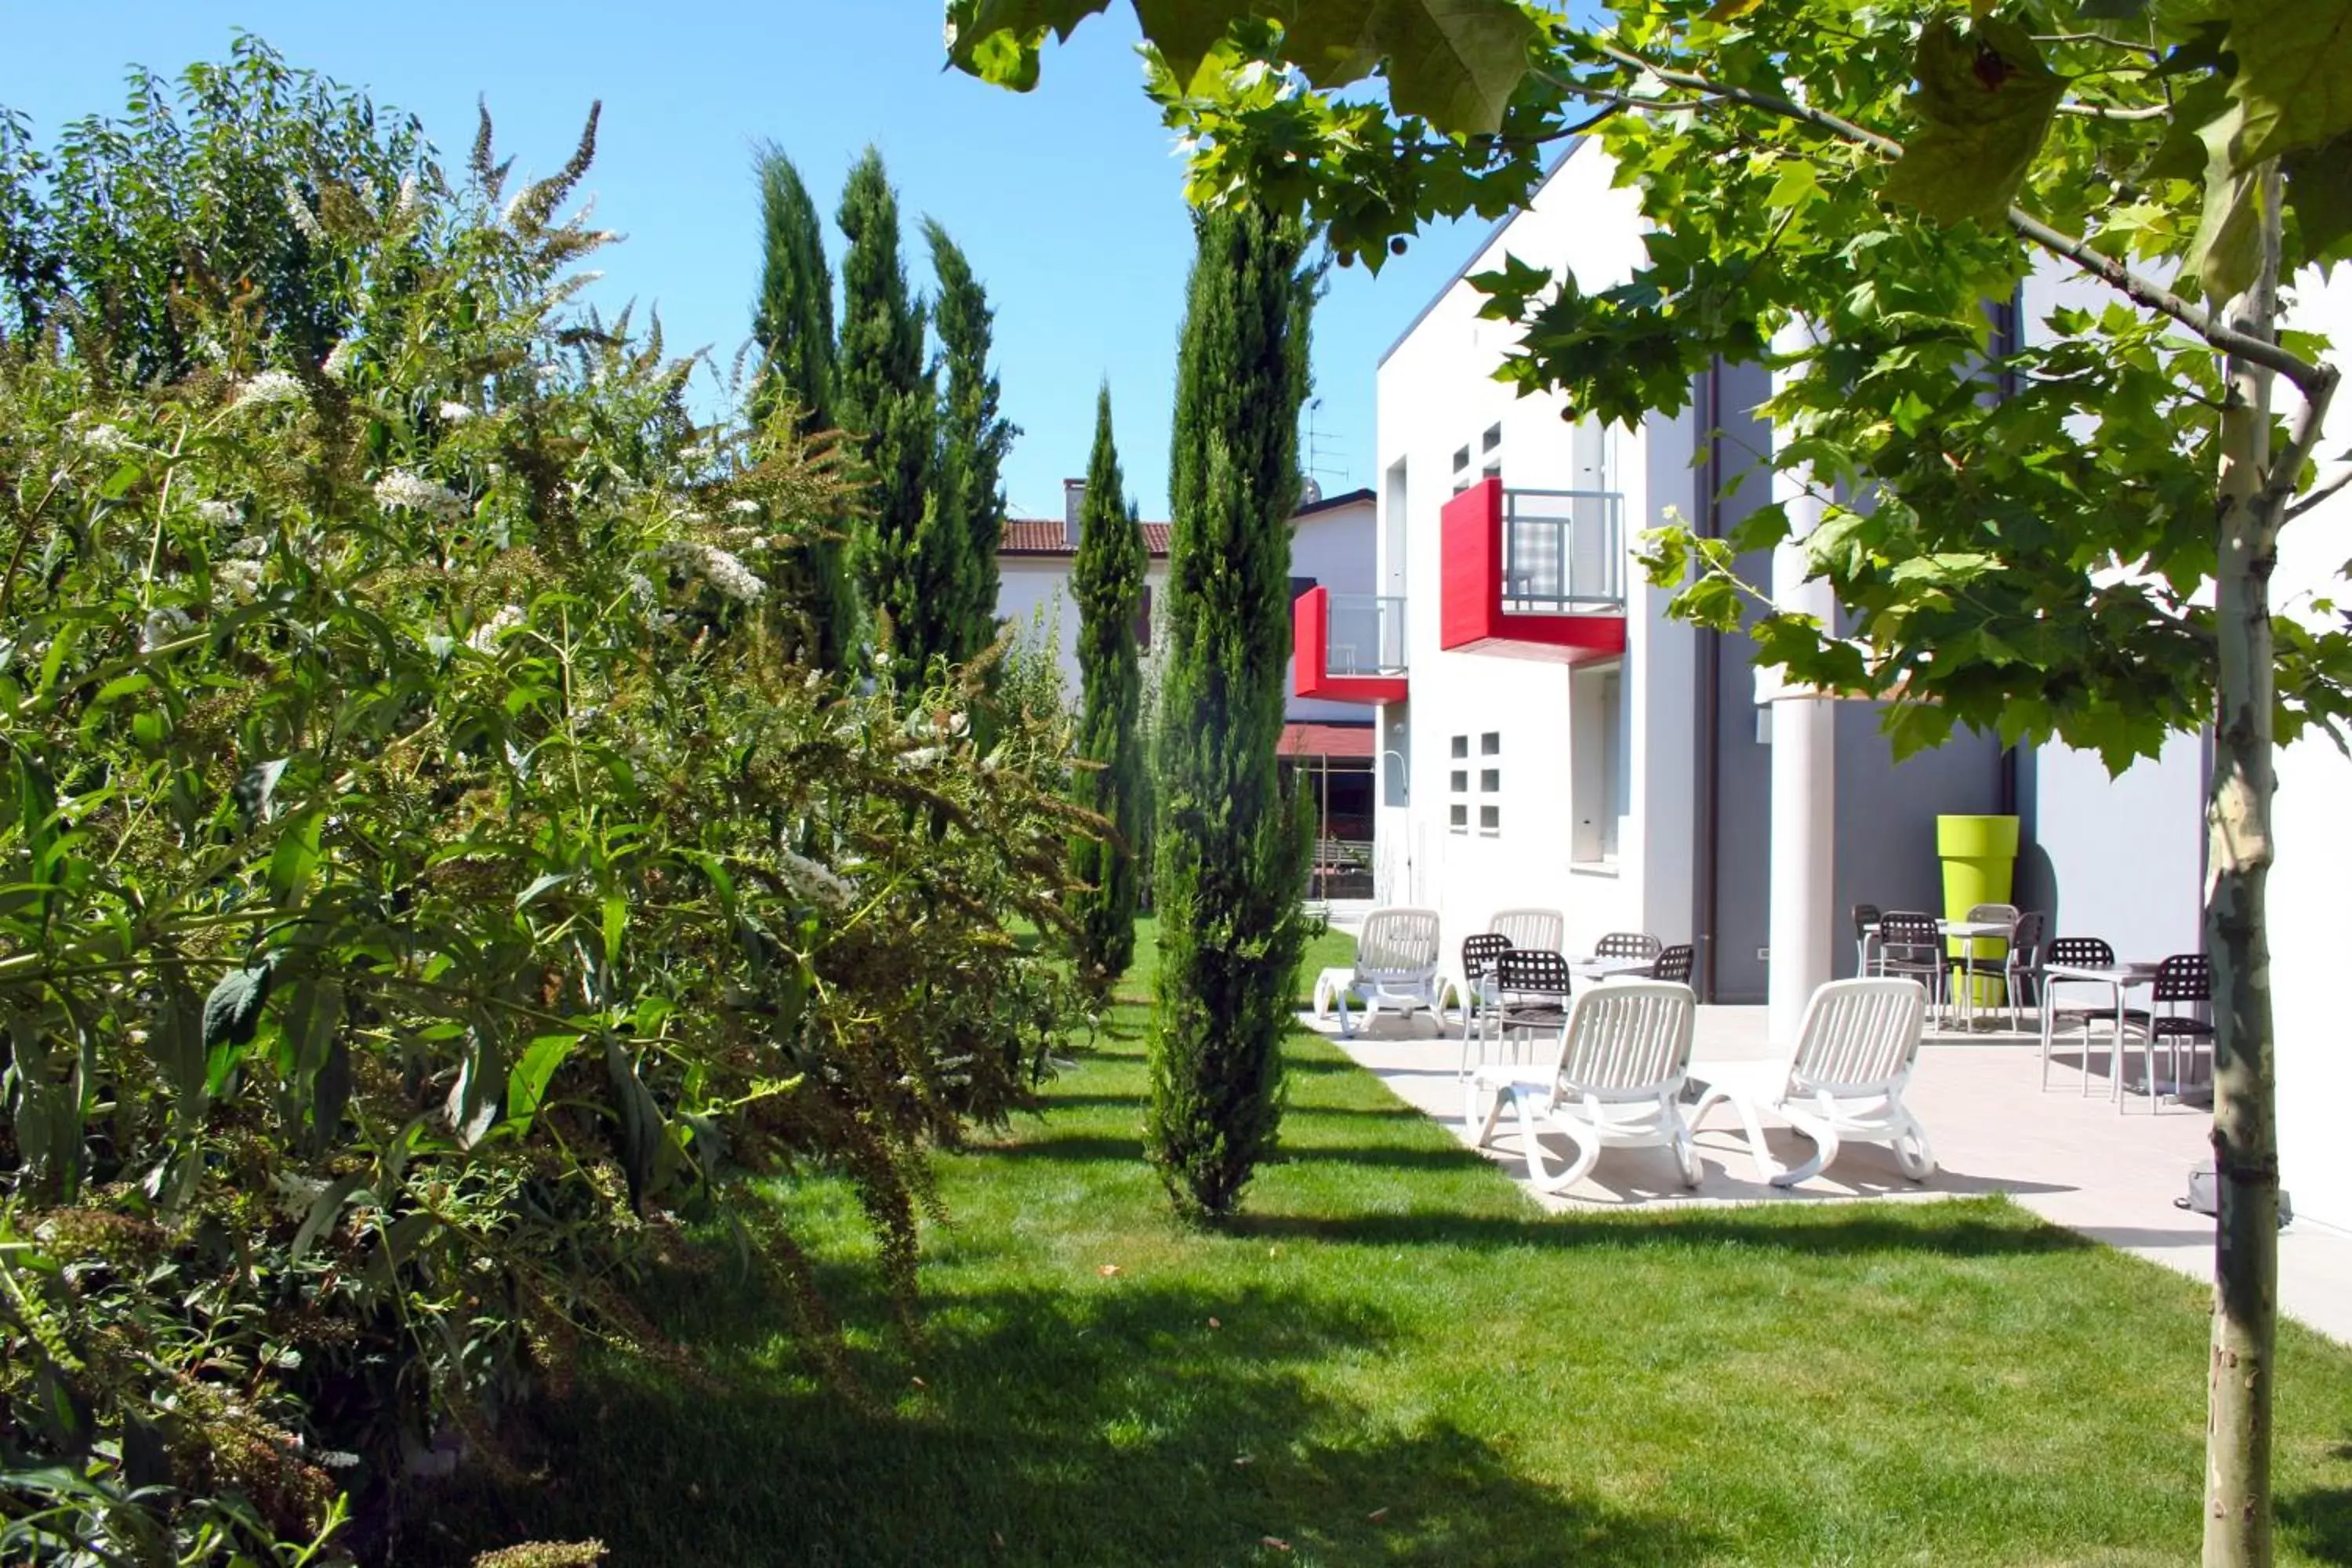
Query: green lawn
(1394,1357)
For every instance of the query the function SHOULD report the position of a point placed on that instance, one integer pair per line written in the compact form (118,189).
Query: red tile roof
(1048,536)
(1337,741)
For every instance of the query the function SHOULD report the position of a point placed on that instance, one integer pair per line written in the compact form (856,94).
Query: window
(1490,745)
(1598,797)
(1457,812)
(1490,781)
(1490,820)
(1461,780)
(1492,439)
(1458,817)
(1461,460)
(1461,745)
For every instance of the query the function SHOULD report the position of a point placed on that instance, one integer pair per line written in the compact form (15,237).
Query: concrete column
(1802,862)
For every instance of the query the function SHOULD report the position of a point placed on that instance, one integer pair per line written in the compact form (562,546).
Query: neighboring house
(1548,737)
(1327,742)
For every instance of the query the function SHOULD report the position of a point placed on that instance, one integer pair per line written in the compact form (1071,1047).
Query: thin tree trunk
(2238,820)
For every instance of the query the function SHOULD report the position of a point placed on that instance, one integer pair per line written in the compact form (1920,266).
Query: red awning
(1339,742)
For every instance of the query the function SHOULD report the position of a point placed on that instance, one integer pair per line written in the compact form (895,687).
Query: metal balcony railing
(1563,553)
(1367,635)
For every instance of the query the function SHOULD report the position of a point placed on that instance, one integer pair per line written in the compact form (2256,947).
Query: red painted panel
(1470,594)
(1311,658)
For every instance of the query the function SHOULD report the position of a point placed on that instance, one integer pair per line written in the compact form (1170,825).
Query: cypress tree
(883,396)
(1107,580)
(1232,850)
(793,323)
(974,437)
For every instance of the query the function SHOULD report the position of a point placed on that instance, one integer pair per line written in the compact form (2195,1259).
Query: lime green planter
(1979,856)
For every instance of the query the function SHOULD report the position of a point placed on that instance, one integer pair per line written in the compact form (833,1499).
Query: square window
(1461,780)
(1490,781)
(1490,745)
(1461,745)
(1493,438)
(1458,818)
(1490,820)
(1462,459)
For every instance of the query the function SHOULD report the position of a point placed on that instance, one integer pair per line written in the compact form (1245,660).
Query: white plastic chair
(1855,1050)
(1625,1052)
(1543,929)
(1396,964)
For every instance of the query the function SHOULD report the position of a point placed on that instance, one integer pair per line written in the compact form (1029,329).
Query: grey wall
(1739,920)
(1887,815)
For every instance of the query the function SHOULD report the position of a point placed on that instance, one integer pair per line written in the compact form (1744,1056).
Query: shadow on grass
(1110,1425)
(1972,1231)
(2318,1521)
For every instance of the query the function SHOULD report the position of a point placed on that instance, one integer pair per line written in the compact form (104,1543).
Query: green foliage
(968,504)
(905,565)
(1107,581)
(1457,62)
(430,873)
(1231,848)
(198,225)
(792,324)
(1983,104)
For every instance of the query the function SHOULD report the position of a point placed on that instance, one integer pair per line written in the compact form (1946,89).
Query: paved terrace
(2069,1157)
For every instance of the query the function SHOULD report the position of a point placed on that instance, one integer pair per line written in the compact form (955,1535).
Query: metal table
(2120,979)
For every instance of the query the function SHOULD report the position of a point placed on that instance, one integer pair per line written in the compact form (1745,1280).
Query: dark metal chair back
(1479,953)
(1628,944)
(1907,936)
(2025,939)
(1674,964)
(1865,916)
(2185,977)
(1531,972)
(2080,953)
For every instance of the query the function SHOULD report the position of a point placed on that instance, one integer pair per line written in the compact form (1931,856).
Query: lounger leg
(1686,1150)
(1487,1124)
(1584,1148)
(1825,1149)
(1919,1162)
(1749,1120)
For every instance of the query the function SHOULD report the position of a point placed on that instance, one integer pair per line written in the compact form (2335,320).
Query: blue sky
(1068,199)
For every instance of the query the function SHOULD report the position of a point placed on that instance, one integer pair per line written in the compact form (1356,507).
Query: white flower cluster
(252,547)
(218,513)
(454,413)
(300,211)
(339,358)
(98,435)
(485,635)
(404,205)
(270,386)
(415,493)
(744,508)
(241,577)
(820,882)
(161,626)
(715,566)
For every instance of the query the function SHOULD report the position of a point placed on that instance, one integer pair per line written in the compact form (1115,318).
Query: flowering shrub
(426,873)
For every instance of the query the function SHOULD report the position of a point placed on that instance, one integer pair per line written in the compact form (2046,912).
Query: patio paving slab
(2069,1157)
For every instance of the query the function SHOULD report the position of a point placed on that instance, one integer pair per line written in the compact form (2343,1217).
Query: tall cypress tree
(883,396)
(1232,850)
(1107,580)
(793,323)
(973,439)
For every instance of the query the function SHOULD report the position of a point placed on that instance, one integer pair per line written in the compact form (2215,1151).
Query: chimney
(1073,501)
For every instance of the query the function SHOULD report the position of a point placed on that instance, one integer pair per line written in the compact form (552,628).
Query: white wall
(1437,395)
(1027,583)
(1337,548)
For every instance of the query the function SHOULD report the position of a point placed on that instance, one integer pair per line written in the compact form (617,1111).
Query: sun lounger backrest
(1859,1037)
(1629,1035)
(1541,929)
(1398,942)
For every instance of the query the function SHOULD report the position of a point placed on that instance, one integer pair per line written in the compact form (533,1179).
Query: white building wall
(1437,395)
(1029,585)
(1336,548)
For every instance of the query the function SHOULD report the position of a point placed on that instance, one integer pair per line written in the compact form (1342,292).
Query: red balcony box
(1532,574)
(1364,662)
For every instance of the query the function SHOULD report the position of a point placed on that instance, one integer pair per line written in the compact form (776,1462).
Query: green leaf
(997,40)
(642,1133)
(1984,103)
(234,1008)
(544,882)
(1454,62)
(474,1098)
(2319,193)
(323,1212)
(527,1083)
(2294,78)
(2226,250)
(296,858)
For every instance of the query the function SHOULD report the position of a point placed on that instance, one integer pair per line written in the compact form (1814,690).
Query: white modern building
(1549,738)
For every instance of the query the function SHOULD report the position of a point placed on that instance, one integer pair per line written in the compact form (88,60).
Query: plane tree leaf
(2293,76)
(1983,102)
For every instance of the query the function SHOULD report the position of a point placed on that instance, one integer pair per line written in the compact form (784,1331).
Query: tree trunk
(2237,822)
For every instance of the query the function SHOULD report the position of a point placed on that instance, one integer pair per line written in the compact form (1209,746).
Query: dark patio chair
(1674,963)
(1531,992)
(1865,936)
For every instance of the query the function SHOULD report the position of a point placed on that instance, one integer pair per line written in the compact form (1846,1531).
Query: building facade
(1551,738)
